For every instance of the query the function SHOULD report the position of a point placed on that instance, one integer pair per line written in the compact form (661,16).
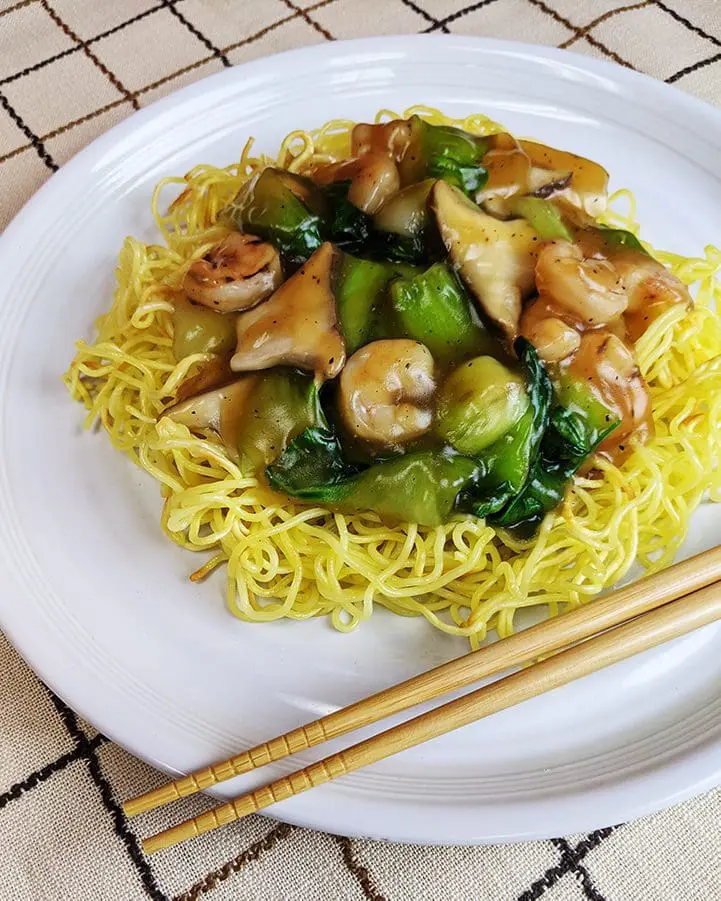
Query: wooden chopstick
(544,638)
(646,631)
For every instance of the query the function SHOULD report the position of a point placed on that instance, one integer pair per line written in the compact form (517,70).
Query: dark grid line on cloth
(579,871)
(20,5)
(424,14)
(687,22)
(609,14)
(155,84)
(83,44)
(70,125)
(694,67)
(459,14)
(562,20)
(358,871)
(88,753)
(316,26)
(34,140)
(110,75)
(553,874)
(197,33)
(45,772)
(277,834)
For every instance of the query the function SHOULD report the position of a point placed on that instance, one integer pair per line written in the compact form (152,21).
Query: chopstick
(544,638)
(646,631)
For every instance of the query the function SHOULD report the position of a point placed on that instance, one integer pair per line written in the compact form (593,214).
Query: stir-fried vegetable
(433,308)
(544,216)
(219,409)
(197,330)
(406,214)
(507,463)
(420,487)
(255,415)
(480,401)
(579,417)
(608,367)
(588,187)
(282,405)
(578,425)
(620,237)
(271,209)
(548,220)
(360,298)
(441,151)
(399,229)
(345,224)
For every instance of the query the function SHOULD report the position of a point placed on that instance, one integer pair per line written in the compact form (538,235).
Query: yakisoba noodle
(285,559)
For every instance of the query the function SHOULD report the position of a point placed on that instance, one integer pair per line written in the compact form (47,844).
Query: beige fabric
(70,69)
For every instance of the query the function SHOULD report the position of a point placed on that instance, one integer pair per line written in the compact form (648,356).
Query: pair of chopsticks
(633,619)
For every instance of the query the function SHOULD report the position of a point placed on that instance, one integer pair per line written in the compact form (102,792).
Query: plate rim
(79,163)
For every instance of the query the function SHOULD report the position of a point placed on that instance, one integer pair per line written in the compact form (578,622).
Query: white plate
(98,600)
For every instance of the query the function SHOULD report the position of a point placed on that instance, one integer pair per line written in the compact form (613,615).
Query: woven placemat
(69,69)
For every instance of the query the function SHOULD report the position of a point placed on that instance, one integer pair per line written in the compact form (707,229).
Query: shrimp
(590,289)
(609,367)
(651,288)
(391,138)
(386,392)
(554,339)
(238,273)
(373,177)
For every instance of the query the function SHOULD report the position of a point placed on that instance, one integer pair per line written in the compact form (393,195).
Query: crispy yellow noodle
(285,559)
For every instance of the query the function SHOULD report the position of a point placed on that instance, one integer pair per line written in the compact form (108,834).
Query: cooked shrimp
(651,288)
(373,176)
(391,138)
(236,274)
(554,339)
(590,289)
(609,367)
(386,392)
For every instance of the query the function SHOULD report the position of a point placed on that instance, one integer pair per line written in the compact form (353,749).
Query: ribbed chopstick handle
(285,787)
(298,739)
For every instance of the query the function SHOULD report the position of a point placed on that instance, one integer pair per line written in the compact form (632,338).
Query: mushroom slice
(220,409)
(235,274)
(588,188)
(512,175)
(508,167)
(495,259)
(297,326)
(211,374)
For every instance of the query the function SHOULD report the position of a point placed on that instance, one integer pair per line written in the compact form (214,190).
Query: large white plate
(98,600)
